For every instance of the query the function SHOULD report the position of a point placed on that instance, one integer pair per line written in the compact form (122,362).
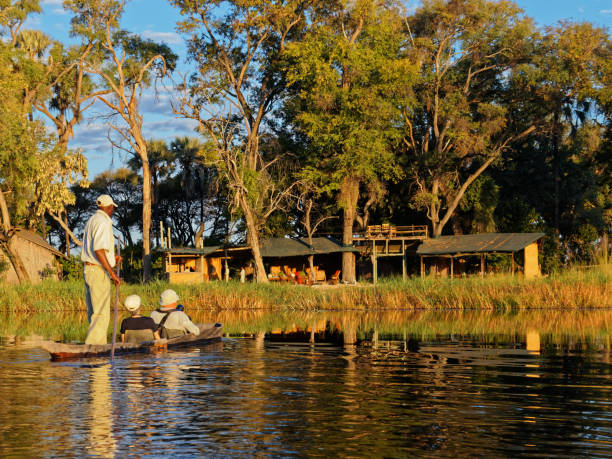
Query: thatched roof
(191,251)
(280,247)
(36,239)
(477,243)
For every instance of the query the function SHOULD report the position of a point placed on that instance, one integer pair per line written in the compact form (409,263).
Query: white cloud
(581,10)
(605,11)
(32,22)
(170,38)
(170,128)
(52,2)
(60,11)
(158,104)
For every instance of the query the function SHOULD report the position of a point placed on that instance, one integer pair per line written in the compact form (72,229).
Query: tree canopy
(460,114)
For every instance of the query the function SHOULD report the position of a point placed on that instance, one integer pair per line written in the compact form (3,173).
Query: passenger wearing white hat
(136,329)
(172,321)
(99,259)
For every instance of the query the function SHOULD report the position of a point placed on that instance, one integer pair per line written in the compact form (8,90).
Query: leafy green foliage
(347,92)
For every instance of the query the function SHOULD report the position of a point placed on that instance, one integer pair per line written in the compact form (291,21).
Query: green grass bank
(571,289)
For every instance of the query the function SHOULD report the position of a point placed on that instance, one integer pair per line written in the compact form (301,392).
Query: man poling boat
(99,259)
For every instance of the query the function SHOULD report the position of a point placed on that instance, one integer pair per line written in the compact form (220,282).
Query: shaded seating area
(295,275)
(288,259)
(285,260)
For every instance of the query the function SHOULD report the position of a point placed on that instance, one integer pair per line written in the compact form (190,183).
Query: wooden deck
(388,241)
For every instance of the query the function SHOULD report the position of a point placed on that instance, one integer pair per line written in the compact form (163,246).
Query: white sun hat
(132,303)
(168,297)
(105,200)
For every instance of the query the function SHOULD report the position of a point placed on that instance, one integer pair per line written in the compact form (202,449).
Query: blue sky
(156,19)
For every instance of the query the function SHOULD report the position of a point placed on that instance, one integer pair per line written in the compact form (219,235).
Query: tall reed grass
(568,290)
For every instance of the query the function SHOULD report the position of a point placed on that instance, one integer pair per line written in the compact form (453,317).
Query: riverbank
(572,289)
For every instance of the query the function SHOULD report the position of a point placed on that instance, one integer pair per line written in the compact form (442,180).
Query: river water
(409,384)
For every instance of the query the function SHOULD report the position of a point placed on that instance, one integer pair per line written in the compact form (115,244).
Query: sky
(156,20)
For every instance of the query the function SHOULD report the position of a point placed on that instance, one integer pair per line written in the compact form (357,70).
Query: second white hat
(168,297)
(132,303)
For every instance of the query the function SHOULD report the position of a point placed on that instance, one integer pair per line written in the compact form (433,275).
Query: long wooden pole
(115,318)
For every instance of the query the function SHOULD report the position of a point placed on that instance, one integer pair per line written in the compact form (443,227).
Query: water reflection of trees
(552,327)
(571,329)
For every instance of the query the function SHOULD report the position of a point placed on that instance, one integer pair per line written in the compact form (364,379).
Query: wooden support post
(482,265)
(169,246)
(374,268)
(161,234)
(374,263)
(512,265)
(226,266)
(404,268)
(422,267)
(452,266)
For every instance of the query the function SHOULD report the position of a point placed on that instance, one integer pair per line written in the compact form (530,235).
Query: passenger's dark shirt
(138,323)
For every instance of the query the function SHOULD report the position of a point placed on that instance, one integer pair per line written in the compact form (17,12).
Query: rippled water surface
(394,394)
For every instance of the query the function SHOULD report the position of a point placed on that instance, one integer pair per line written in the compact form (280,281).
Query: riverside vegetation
(570,289)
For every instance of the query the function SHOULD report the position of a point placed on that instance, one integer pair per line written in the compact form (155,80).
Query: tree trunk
(349,196)
(66,233)
(155,211)
(15,259)
(253,241)
(557,188)
(348,258)
(312,276)
(6,234)
(146,216)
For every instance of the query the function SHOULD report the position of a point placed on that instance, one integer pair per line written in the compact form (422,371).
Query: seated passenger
(136,329)
(171,321)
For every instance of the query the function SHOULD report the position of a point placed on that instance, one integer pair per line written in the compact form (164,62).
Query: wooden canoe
(63,351)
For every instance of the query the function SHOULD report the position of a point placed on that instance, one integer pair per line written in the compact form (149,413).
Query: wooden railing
(388,231)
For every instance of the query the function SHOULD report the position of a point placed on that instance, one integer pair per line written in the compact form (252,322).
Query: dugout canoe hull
(63,351)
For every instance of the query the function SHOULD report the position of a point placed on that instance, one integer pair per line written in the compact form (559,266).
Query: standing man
(98,256)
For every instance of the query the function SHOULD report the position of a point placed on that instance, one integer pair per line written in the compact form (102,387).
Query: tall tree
(18,150)
(350,75)
(559,178)
(461,123)
(238,49)
(34,171)
(570,72)
(125,64)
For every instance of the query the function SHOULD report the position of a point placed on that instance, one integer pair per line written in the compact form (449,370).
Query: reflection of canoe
(62,351)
